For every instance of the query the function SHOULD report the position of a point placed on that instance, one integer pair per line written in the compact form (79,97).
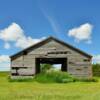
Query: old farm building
(51,51)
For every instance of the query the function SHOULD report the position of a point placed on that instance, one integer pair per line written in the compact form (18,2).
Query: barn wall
(25,63)
(76,64)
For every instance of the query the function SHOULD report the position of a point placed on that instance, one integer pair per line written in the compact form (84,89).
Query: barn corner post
(26,63)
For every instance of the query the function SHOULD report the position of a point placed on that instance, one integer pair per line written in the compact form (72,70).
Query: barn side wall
(78,64)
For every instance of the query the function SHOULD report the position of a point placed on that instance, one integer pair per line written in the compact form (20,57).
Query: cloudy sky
(25,22)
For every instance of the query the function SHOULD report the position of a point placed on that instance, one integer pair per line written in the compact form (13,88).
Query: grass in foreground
(47,91)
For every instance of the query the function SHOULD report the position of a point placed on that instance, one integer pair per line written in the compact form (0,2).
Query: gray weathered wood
(75,60)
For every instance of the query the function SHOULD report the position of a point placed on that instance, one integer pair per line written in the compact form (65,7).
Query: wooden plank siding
(78,64)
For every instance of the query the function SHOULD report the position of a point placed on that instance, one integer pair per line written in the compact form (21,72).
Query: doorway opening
(59,63)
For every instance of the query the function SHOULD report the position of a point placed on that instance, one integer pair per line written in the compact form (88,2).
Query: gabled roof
(49,39)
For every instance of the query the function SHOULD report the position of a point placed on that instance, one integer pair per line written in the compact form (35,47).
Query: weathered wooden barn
(51,51)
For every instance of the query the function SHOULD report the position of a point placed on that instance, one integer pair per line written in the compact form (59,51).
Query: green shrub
(45,67)
(54,76)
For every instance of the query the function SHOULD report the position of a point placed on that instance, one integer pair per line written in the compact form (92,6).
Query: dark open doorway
(62,61)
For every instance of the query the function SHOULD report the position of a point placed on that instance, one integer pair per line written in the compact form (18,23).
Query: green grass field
(47,91)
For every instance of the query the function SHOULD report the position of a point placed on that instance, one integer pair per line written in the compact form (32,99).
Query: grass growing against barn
(47,91)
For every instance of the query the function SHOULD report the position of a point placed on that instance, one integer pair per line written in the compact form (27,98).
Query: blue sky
(73,21)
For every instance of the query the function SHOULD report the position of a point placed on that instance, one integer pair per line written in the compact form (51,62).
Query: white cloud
(14,33)
(7,46)
(96,59)
(82,33)
(26,42)
(4,62)
(4,58)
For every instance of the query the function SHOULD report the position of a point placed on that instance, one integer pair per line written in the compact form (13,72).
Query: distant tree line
(96,69)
